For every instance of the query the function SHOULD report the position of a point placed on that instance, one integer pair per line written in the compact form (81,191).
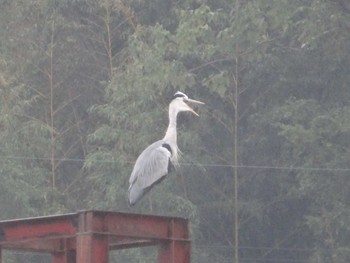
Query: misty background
(265,174)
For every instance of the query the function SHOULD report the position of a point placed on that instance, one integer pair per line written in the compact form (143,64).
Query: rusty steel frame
(88,236)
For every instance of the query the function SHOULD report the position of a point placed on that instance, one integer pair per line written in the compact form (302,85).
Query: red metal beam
(125,243)
(139,226)
(34,228)
(87,236)
(35,245)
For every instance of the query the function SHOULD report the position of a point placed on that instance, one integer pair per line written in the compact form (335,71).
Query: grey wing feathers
(150,167)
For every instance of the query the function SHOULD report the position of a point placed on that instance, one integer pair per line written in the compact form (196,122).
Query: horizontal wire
(272,260)
(270,248)
(271,167)
(264,167)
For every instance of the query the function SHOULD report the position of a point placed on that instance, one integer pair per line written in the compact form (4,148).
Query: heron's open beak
(194,101)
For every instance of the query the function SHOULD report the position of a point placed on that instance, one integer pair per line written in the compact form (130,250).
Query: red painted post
(91,246)
(177,249)
(58,257)
(174,252)
(100,249)
(63,257)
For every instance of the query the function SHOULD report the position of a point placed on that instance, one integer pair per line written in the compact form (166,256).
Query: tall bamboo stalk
(52,128)
(235,149)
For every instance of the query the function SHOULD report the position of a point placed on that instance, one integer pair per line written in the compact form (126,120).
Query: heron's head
(180,101)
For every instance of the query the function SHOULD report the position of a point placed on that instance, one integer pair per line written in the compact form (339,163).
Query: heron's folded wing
(151,166)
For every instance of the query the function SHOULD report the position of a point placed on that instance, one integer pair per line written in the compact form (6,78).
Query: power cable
(263,167)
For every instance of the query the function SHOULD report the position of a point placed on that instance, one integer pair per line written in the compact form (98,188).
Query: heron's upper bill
(193,101)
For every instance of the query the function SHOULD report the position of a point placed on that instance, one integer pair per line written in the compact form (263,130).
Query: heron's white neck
(170,135)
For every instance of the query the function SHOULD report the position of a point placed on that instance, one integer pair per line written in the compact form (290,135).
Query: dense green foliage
(85,85)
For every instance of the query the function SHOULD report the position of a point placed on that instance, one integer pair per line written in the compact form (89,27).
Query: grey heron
(155,161)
